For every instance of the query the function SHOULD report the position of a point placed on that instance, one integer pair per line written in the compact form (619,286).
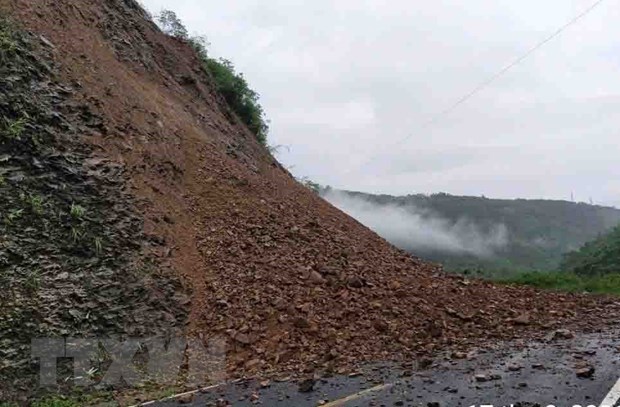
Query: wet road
(560,372)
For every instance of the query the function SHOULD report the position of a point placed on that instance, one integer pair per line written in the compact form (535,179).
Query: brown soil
(293,282)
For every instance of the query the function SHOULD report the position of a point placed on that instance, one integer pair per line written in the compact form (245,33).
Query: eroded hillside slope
(292,282)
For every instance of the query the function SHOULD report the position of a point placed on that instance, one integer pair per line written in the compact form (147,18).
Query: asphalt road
(560,372)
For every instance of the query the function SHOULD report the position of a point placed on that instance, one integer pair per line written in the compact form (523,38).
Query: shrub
(172,25)
(242,100)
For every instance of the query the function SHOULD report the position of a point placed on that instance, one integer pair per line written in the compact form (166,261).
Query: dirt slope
(292,282)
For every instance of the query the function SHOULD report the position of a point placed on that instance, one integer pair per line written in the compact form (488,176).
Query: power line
(494,77)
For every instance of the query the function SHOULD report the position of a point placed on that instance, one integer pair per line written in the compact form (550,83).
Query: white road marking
(176,396)
(612,396)
(358,395)
(335,403)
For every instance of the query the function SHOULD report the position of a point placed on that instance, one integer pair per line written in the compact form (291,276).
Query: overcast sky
(344,81)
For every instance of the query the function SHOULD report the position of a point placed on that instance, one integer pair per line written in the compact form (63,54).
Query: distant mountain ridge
(538,232)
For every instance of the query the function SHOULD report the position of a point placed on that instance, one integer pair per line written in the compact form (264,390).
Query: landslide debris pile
(292,283)
(70,239)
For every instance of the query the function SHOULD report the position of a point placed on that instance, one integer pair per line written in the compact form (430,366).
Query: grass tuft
(7,40)
(98,246)
(77,211)
(36,203)
(76,235)
(55,402)
(15,128)
(33,282)
(14,215)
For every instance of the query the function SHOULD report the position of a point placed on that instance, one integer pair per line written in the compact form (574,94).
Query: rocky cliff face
(74,259)
(147,206)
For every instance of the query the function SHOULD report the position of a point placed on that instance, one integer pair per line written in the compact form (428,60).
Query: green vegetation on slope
(231,84)
(562,281)
(598,257)
(238,95)
(55,402)
(595,268)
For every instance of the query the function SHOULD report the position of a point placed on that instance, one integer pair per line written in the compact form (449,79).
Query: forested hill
(477,232)
(601,256)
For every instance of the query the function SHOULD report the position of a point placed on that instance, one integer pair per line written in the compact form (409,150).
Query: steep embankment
(290,281)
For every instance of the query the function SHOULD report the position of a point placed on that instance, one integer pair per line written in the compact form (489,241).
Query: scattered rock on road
(585,372)
(307,386)
(186,399)
(561,334)
(481,378)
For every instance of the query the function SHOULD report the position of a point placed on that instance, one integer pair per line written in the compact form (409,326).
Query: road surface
(561,372)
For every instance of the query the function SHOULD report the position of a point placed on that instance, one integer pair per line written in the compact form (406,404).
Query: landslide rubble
(132,129)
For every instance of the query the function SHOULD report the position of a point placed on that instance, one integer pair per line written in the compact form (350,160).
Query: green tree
(172,25)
